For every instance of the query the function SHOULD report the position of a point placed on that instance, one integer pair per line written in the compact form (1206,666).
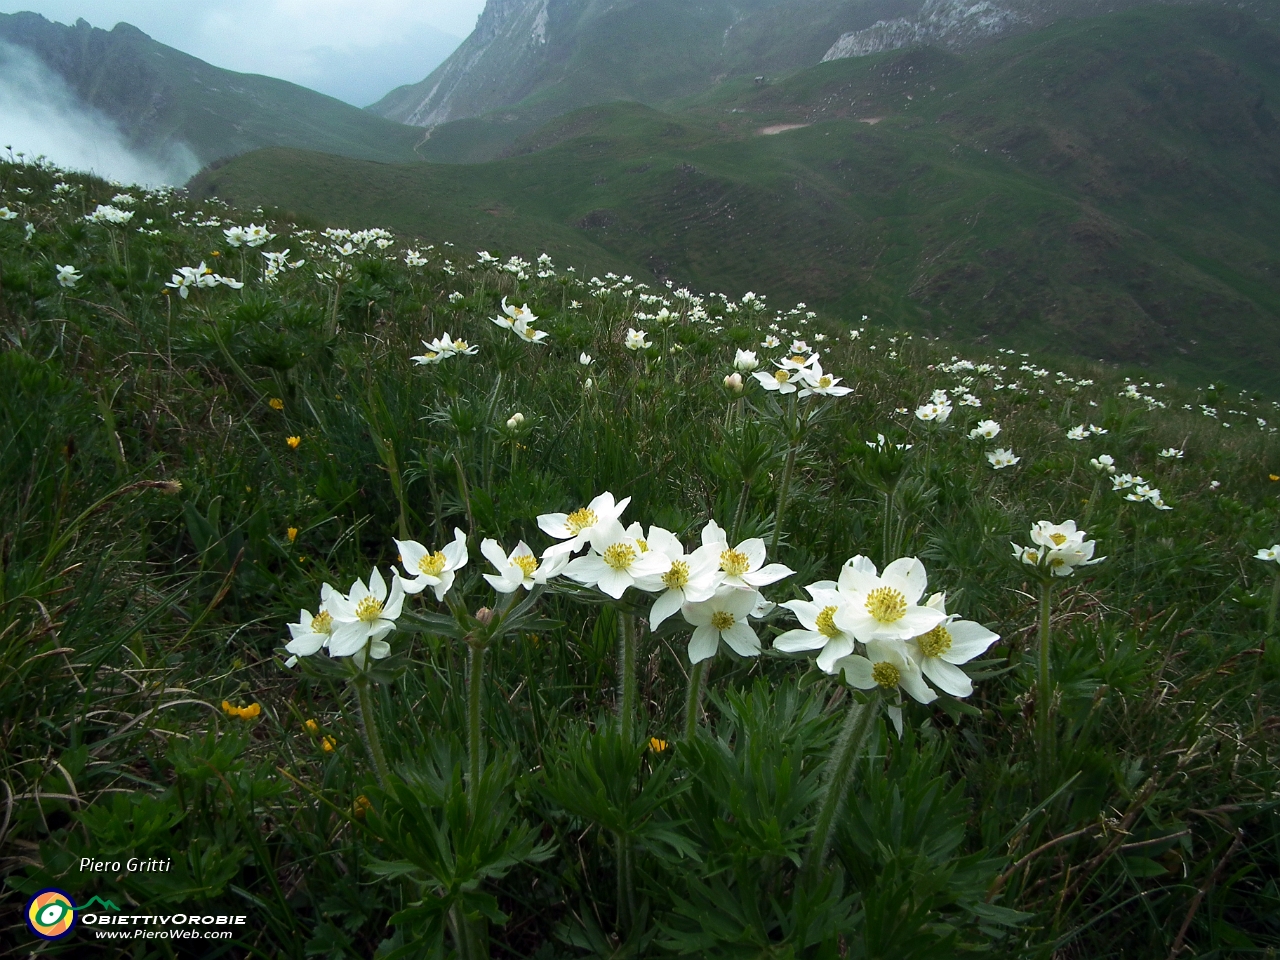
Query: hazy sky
(356,50)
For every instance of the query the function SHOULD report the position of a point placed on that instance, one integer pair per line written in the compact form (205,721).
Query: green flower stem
(741,511)
(475,690)
(1275,603)
(626,885)
(783,490)
(369,728)
(1093,499)
(1044,681)
(627,678)
(697,676)
(859,721)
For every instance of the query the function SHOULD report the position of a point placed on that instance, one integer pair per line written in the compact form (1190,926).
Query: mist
(39,115)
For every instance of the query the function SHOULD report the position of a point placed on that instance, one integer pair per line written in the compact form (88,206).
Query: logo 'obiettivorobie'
(51,914)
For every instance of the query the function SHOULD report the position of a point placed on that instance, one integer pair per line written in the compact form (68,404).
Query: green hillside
(160,97)
(1106,187)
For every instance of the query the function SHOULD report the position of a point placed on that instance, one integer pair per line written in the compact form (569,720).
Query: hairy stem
(475,748)
(693,703)
(1044,684)
(369,728)
(780,510)
(859,721)
(627,675)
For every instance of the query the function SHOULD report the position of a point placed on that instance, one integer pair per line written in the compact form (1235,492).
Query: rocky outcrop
(949,23)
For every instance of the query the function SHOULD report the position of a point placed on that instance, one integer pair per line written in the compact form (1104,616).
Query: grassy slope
(127,617)
(159,96)
(1055,190)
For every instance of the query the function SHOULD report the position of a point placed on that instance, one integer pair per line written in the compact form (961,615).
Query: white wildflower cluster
(519,320)
(194,278)
(277,264)
(250,236)
(1082,432)
(881,445)
(443,348)
(1135,488)
(1058,548)
(801,375)
(871,629)
(109,214)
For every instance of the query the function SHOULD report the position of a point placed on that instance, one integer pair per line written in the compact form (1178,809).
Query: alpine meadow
(506,558)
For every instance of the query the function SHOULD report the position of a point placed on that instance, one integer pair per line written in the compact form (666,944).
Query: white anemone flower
(364,616)
(742,566)
(986,429)
(951,643)
(519,568)
(890,667)
(575,528)
(614,562)
(437,570)
(819,630)
(1000,458)
(782,381)
(68,276)
(884,606)
(722,617)
(931,412)
(311,634)
(525,332)
(1171,453)
(770,342)
(1271,553)
(1059,548)
(1078,433)
(584,358)
(821,384)
(690,578)
(745,361)
(636,339)
(1104,463)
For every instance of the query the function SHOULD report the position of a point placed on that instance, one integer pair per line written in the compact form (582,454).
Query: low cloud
(39,115)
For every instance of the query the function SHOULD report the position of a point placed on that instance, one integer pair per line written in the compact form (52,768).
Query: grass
(1053,191)
(131,609)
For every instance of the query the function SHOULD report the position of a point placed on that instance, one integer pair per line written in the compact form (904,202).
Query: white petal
(798,641)
(968,640)
(377,586)
(665,606)
(909,576)
(742,639)
(836,648)
(703,644)
(947,677)
(614,582)
(770,574)
(857,671)
(347,638)
(492,551)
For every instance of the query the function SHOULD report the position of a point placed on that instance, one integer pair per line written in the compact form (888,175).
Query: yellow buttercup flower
(244,713)
(312,727)
(360,806)
(656,745)
(292,534)
(327,744)
(293,442)
(275,403)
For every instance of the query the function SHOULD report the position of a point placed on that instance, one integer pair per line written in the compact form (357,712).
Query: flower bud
(733,382)
(516,421)
(484,615)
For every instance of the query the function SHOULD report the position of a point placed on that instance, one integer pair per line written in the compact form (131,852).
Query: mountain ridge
(159,97)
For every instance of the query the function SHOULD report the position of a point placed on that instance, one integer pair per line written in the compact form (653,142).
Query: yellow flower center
(369,609)
(1058,539)
(826,622)
(527,563)
(643,545)
(782,376)
(677,577)
(886,674)
(936,642)
(580,519)
(322,622)
(620,556)
(886,604)
(797,359)
(432,564)
(824,381)
(723,620)
(1056,562)
(734,562)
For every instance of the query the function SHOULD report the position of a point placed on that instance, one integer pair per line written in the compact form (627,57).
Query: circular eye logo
(51,914)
